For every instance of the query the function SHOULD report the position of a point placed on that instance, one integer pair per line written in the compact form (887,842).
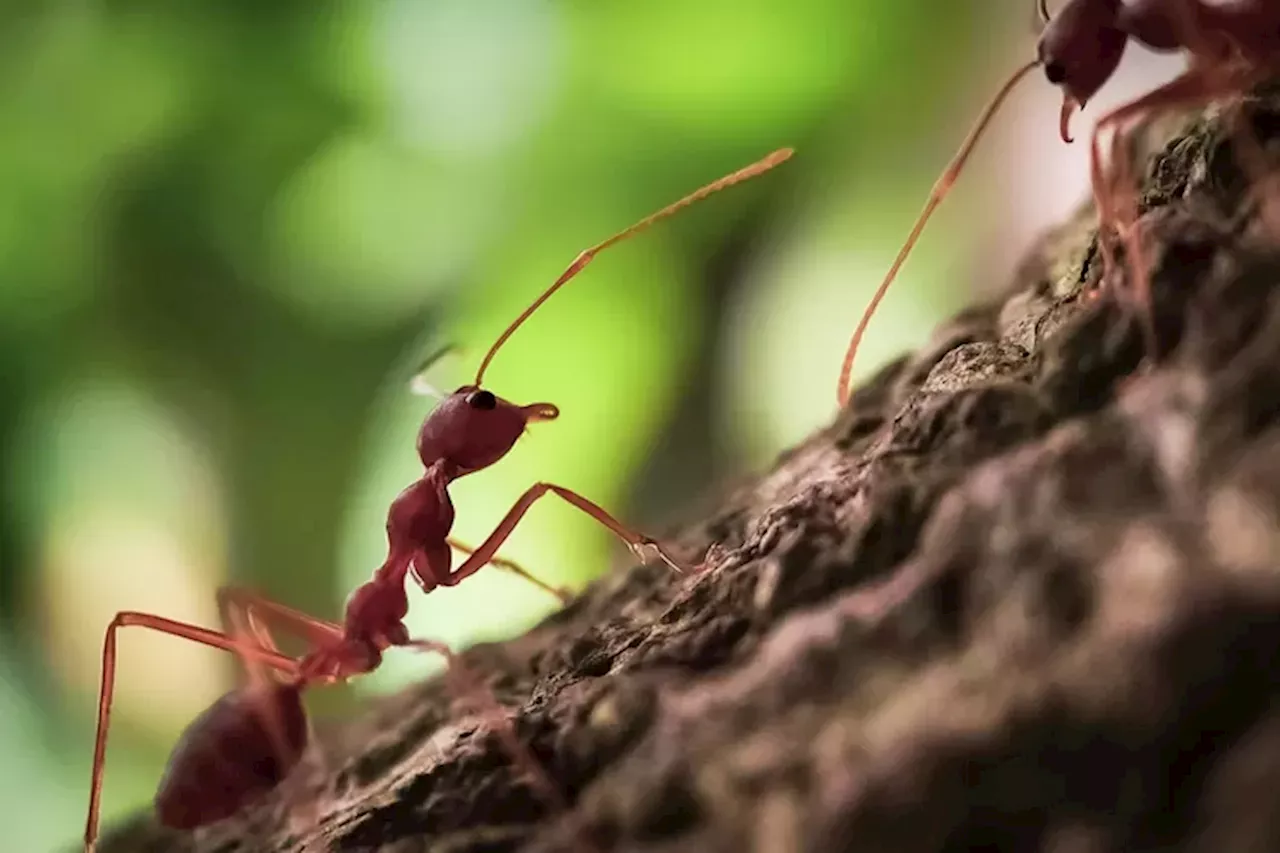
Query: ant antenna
(940,189)
(1042,6)
(585,257)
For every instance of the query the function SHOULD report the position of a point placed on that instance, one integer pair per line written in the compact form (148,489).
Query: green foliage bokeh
(229,231)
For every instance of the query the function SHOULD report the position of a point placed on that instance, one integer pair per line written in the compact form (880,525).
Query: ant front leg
(1117,201)
(485,552)
(562,593)
(239,645)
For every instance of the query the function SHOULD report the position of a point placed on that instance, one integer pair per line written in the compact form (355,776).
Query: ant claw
(716,554)
(642,548)
(677,566)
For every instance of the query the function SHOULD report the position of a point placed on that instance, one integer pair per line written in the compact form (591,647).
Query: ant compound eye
(1055,72)
(482,400)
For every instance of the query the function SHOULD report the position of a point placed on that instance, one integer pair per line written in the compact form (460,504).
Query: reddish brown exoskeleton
(249,741)
(1231,44)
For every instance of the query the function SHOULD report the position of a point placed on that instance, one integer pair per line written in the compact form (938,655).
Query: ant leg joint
(647,544)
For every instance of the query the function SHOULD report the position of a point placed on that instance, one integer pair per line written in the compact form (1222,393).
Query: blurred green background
(230,231)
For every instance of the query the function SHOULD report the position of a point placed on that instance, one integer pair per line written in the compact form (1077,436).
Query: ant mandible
(1231,46)
(248,741)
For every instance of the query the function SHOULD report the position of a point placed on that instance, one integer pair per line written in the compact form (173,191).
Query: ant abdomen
(243,746)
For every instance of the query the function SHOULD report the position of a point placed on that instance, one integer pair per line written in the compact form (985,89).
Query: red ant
(248,741)
(1232,45)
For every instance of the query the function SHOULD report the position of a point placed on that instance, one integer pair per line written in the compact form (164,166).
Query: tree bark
(1023,593)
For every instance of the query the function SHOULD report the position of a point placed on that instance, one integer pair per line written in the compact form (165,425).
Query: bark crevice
(1021,594)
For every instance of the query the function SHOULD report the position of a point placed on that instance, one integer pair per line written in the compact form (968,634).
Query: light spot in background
(788,341)
(127,506)
(1241,529)
(1143,583)
(725,67)
(787,332)
(386,218)
(48,801)
(369,230)
(100,561)
(469,77)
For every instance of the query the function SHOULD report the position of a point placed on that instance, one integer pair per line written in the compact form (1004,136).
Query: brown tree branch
(1016,597)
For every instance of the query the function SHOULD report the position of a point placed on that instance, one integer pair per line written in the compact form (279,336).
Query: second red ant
(1232,45)
(248,741)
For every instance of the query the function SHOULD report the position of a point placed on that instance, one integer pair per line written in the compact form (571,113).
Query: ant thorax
(1081,47)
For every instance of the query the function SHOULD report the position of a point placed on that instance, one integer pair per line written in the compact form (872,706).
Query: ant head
(243,746)
(1080,49)
(473,428)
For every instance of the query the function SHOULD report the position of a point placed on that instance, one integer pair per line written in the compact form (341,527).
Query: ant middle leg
(485,552)
(560,592)
(1227,66)
(469,686)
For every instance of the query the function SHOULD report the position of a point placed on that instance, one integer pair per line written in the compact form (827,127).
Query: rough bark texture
(1021,595)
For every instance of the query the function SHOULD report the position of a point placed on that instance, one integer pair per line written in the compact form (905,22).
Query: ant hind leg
(245,612)
(469,686)
(248,651)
